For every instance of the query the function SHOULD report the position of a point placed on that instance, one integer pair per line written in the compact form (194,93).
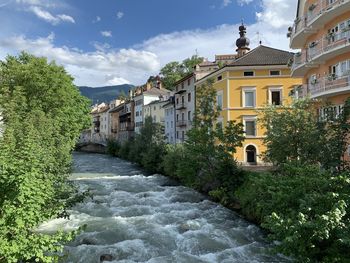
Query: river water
(137,218)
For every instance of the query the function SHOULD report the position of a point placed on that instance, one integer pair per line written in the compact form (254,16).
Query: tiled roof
(155,91)
(263,56)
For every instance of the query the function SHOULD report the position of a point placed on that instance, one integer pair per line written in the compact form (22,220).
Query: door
(251,154)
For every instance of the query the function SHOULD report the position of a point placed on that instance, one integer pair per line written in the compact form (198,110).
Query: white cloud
(90,68)
(277,14)
(115,80)
(97,19)
(48,17)
(244,2)
(106,33)
(120,15)
(226,2)
(66,18)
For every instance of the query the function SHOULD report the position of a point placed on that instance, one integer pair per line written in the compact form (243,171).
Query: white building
(145,98)
(100,129)
(185,98)
(169,121)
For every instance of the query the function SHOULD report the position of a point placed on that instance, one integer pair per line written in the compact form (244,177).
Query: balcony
(181,123)
(127,127)
(114,130)
(181,106)
(326,87)
(319,51)
(317,16)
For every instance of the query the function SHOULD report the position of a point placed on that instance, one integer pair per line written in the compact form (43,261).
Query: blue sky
(110,42)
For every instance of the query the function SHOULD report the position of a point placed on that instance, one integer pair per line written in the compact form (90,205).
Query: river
(137,218)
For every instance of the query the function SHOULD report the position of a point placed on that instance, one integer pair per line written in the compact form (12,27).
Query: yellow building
(322,32)
(256,78)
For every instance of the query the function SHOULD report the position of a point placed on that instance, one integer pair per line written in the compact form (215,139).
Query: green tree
(174,71)
(171,73)
(208,160)
(306,139)
(43,115)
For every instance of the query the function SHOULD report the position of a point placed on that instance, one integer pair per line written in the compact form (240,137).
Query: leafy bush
(113,147)
(304,208)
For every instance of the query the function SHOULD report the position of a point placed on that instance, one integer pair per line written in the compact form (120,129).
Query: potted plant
(331,77)
(313,44)
(314,81)
(330,35)
(312,7)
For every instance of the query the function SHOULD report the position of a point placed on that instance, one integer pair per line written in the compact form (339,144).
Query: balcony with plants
(316,16)
(321,50)
(330,85)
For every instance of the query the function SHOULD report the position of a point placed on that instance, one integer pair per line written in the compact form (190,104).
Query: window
(182,85)
(183,99)
(250,126)
(177,135)
(189,115)
(275,96)
(219,99)
(275,72)
(177,100)
(249,97)
(177,117)
(183,135)
(189,97)
(171,124)
(219,78)
(183,116)
(248,73)
(189,82)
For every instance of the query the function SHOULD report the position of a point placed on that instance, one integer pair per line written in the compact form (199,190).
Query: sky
(112,42)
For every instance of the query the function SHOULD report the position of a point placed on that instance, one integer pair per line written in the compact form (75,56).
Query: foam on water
(138,218)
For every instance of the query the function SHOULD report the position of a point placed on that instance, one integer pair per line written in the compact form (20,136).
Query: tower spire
(242,42)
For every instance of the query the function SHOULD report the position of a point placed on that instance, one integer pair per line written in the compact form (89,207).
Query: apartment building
(155,110)
(256,78)
(152,91)
(100,128)
(322,32)
(169,120)
(126,121)
(185,98)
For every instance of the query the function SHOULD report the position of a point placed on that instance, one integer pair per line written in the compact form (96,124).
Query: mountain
(104,94)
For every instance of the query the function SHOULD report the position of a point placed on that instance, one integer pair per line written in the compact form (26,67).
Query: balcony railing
(114,130)
(127,127)
(329,85)
(181,123)
(314,11)
(328,43)
(318,48)
(181,106)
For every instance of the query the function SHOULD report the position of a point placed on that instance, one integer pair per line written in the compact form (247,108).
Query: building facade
(322,32)
(155,110)
(126,121)
(152,91)
(185,97)
(169,120)
(256,78)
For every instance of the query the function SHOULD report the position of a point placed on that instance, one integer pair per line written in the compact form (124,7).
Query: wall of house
(232,88)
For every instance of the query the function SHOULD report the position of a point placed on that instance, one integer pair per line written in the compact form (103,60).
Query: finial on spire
(243,42)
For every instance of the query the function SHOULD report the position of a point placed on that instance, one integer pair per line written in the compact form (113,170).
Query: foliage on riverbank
(43,114)
(304,204)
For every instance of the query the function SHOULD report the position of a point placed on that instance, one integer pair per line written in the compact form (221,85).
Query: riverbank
(303,207)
